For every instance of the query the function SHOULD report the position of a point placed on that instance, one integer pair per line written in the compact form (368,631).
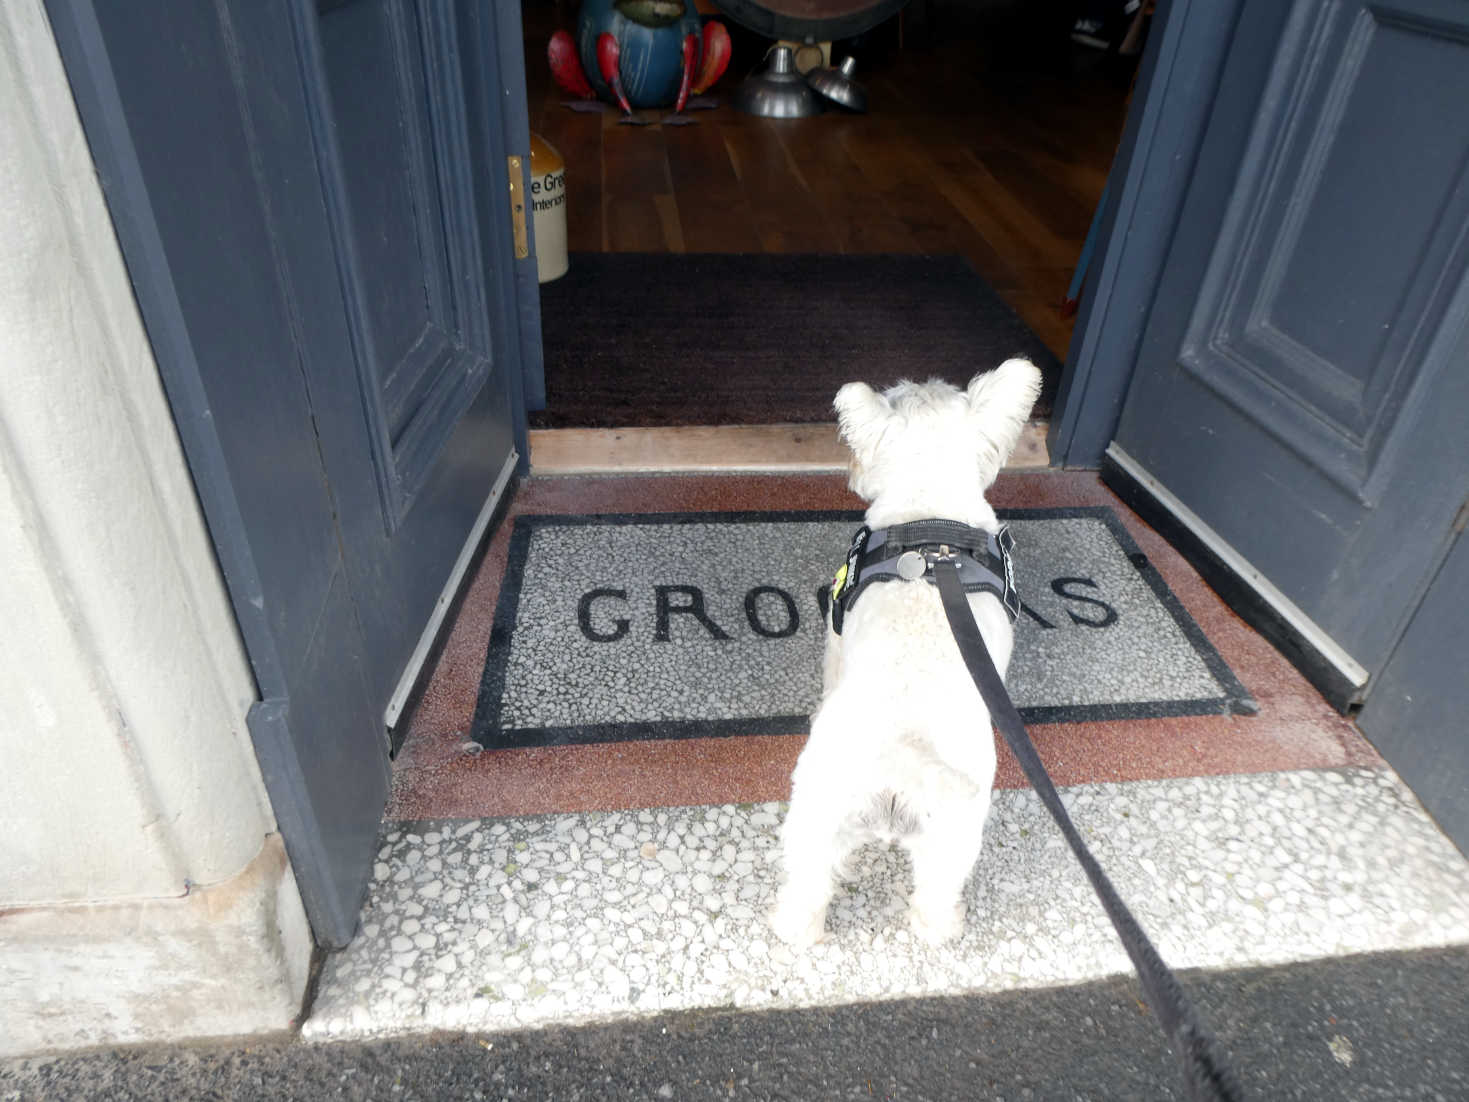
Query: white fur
(901,746)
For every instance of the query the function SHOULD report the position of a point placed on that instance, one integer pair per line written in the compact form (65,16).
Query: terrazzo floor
(592,882)
(493,924)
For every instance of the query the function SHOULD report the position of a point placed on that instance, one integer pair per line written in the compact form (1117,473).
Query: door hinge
(517,208)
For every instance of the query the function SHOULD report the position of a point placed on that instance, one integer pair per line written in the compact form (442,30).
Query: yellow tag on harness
(839,582)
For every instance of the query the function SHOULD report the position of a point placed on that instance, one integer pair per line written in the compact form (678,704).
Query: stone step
(554,920)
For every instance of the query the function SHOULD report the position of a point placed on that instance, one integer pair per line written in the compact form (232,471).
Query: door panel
(397,191)
(1326,190)
(315,222)
(1300,384)
(423,264)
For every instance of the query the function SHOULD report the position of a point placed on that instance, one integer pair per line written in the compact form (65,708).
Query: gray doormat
(679,625)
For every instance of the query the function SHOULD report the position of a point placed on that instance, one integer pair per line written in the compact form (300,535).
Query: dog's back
(901,746)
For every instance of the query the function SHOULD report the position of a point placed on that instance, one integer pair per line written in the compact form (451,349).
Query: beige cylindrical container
(548,208)
(808,55)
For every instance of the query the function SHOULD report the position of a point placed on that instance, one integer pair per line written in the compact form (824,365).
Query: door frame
(1177,86)
(89,71)
(1177,81)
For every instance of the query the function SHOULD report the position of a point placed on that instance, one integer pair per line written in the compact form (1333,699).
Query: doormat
(681,625)
(654,339)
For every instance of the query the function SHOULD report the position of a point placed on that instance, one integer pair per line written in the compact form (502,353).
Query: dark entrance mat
(680,625)
(652,339)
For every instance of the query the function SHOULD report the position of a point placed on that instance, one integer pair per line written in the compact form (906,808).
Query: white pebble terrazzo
(501,924)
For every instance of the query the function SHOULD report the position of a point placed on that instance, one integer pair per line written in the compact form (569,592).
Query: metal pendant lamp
(839,85)
(778,91)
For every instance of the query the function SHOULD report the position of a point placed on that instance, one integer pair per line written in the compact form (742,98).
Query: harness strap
(1208,1077)
(931,531)
(906,552)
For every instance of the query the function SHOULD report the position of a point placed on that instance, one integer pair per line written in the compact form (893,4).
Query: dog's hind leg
(810,841)
(817,834)
(944,851)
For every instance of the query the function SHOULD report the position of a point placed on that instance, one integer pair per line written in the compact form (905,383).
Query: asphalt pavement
(1380,1026)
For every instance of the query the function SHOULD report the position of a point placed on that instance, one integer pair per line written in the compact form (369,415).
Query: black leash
(1204,1070)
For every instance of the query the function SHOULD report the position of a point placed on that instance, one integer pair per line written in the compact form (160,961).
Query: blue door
(1297,413)
(314,203)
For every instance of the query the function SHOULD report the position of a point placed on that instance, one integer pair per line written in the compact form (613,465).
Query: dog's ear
(1001,401)
(862,414)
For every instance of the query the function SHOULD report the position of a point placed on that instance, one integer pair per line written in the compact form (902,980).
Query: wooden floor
(995,144)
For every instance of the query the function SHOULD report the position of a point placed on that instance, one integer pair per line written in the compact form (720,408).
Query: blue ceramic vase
(652,56)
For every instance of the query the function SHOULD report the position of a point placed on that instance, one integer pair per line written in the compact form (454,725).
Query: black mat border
(1235,701)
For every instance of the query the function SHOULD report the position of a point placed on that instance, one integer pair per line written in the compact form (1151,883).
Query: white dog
(901,747)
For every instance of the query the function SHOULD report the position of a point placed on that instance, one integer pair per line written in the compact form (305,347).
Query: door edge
(1147,184)
(419,661)
(1334,673)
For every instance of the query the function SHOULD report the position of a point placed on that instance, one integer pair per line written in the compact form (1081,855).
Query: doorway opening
(990,130)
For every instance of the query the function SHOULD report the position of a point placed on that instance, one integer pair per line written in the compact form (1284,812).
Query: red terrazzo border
(437,776)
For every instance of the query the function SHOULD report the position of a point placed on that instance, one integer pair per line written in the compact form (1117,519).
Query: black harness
(907,552)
